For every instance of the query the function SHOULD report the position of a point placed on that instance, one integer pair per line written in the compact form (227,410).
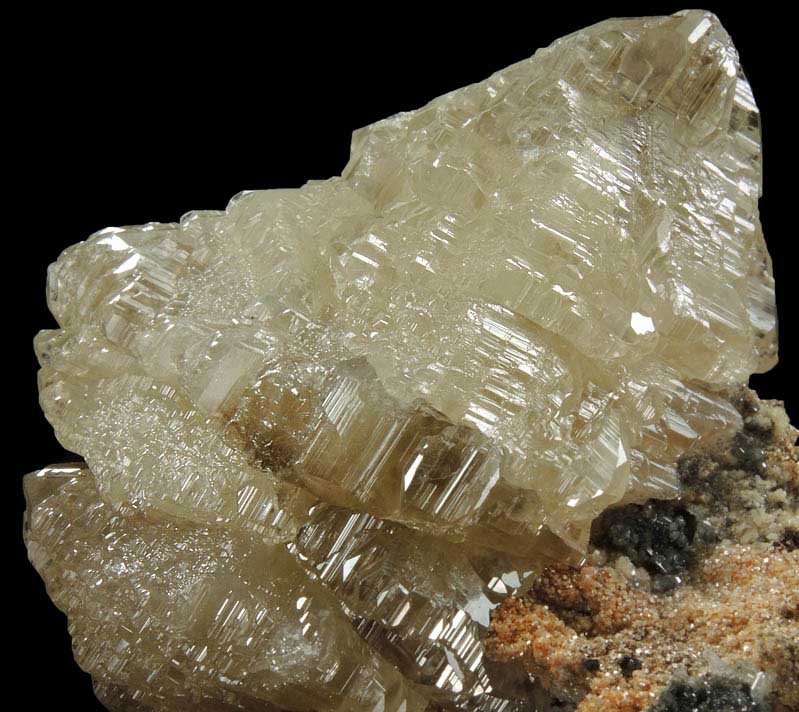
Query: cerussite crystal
(327,429)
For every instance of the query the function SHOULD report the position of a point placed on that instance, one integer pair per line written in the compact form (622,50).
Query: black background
(131,116)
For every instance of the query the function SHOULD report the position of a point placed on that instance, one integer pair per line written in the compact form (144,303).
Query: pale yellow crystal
(517,306)
(209,616)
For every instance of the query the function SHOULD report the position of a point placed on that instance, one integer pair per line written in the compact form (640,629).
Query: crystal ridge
(378,402)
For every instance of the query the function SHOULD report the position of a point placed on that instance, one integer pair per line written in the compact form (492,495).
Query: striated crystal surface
(327,429)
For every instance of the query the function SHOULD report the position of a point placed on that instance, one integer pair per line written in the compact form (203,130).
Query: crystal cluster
(326,430)
(681,607)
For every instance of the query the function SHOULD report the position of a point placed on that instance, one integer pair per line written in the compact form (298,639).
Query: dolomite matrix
(326,432)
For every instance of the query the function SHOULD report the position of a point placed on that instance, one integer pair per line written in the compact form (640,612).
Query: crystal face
(327,429)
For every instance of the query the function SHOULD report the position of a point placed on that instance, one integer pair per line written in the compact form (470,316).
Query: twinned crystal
(326,430)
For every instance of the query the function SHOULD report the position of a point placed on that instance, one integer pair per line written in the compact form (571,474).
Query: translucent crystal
(211,616)
(402,389)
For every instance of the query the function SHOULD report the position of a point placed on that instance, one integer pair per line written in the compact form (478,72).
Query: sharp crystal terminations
(327,429)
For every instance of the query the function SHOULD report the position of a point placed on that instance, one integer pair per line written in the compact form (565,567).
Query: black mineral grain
(715,693)
(657,536)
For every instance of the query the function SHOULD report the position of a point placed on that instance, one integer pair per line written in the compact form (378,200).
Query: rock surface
(725,637)
(326,430)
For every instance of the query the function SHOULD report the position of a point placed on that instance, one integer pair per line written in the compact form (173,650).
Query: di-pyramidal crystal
(326,430)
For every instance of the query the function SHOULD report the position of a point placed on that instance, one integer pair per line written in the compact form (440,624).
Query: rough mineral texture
(604,637)
(327,430)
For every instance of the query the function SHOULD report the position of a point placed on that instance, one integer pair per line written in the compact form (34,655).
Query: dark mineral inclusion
(657,536)
(715,693)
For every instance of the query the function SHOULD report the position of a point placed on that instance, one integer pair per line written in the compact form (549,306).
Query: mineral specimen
(707,695)
(726,640)
(657,535)
(326,430)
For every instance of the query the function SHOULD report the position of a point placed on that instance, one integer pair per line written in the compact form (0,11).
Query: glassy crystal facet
(327,429)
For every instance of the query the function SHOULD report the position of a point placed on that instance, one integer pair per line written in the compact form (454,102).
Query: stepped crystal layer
(327,429)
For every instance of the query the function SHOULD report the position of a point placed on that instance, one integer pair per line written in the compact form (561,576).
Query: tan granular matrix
(742,605)
(758,503)
(599,639)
